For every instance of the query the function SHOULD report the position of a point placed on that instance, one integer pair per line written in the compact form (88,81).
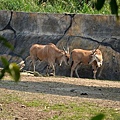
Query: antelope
(48,53)
(86,57)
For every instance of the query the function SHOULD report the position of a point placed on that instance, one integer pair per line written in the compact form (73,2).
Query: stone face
(73,30)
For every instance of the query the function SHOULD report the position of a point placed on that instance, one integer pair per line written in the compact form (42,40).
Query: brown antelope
(86,57)
(48,53)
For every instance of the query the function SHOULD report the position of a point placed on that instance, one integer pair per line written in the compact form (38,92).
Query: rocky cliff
(73,30)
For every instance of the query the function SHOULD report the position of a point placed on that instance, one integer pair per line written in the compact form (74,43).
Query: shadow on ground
(63,89)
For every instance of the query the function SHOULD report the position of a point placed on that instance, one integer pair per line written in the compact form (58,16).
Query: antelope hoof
(52,74)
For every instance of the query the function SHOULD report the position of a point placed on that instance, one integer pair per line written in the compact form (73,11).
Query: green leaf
(6,64)
(4,61)
(99,4)
(2,73)
(114,7)
(14,71)
(98,117)
(6,43)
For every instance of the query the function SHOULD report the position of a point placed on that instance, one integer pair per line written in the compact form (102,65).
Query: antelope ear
(65,50)
(92,59)
(93,51)
(68,50)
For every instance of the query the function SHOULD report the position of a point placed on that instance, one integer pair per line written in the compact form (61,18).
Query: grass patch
(83,111)
(52,6)
(10,98)
(36,103)
(69,111)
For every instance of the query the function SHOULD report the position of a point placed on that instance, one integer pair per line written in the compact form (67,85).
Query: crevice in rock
(107,44)
(104,43)
(8,26)
(71,21)
(67,29)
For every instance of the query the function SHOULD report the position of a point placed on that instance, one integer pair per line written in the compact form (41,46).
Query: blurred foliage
(63,6)
(11,68)
(98,117)
(4,42)
(112,3)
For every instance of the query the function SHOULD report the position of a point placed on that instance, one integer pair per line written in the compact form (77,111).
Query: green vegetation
(11,68)
(61,6)
(69,111)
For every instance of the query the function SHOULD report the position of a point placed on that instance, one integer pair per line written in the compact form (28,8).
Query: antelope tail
(27,58)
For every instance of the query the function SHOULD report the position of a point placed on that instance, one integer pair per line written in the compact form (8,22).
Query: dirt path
(62,89)
(96,90)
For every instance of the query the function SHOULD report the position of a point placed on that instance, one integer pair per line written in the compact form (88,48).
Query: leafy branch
(11,68)
(113,6)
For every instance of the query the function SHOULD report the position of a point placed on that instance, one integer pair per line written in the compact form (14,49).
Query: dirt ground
(58,90)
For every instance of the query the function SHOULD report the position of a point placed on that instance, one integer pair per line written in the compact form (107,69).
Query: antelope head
(96,56)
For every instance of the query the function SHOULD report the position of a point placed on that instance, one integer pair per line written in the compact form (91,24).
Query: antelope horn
(68,50)
(67,45)
(64,49)
(99,45)
(62,46)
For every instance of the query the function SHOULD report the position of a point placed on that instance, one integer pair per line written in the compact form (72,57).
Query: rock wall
(73,30)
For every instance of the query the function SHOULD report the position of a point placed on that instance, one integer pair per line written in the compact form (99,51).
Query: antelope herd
(52,55)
